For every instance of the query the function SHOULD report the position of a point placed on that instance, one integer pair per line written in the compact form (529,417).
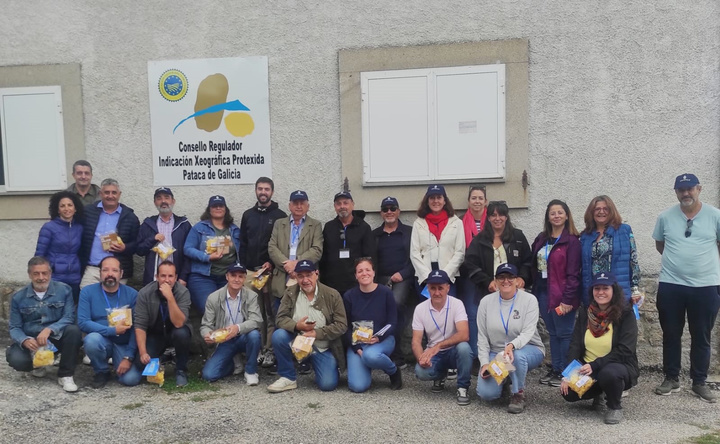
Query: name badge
(544,274)
(293,252)
(516,253)
(344,253)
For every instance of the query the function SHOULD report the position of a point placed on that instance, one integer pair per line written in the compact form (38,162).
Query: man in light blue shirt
(687,236)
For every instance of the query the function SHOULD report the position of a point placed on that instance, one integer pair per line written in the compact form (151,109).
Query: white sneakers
(281,385)
(68,384)
(251,379)
(86,360)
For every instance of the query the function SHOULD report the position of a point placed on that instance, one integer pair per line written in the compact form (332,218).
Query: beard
(263,198)
(110,282)
(166,209)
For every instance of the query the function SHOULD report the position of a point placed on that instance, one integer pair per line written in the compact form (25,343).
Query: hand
(145,358)
(635,298)
(166,291)
(395,278)
(425,360)
(302,325)
(492,287)
(509,353)
(123,367)
(484,371)
(374,340)
(359,352)
(520,282)
(310,334)
(215,256)
(184,284)
(117,248)
(267,266)
(43,336)
(565,308)
(159,237)
(121,328)
(585,370)
(564,387)
(233,331)
(207,339)
(30,344)
(289,266)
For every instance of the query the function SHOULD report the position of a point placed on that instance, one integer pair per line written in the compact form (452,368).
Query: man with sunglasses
(394,267)
(687,236)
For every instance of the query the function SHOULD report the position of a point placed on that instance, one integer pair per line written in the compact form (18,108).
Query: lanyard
(295,233)
(502,318)
(447,310)
(547,249)
(344,239)
(108,300)
(233,319)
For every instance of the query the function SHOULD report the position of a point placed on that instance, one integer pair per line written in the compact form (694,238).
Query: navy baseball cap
(506,268)
(237,266)
(305,266)
(389,202)
(343,195)
(298,195)
(216,200)
(438,277)
(163,190)
(603,279)
(686,180)
(435,190)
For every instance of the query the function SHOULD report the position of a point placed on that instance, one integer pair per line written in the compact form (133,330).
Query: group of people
(485,284)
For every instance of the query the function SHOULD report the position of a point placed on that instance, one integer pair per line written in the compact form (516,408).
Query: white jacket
(451,248)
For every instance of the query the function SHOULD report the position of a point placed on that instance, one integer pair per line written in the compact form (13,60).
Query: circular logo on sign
(173,85)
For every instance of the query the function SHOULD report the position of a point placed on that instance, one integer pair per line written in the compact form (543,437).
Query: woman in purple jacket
(59,239)
(556,282)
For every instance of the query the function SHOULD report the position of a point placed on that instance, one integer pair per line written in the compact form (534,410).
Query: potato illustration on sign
(213,90)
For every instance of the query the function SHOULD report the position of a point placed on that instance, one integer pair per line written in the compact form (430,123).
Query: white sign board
(210,121)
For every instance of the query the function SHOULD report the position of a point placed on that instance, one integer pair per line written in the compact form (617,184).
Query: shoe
(251,379)
(396,380)
(100,380)
(599,403)
(668,386)
(273,370)
(281,385)
(239,367)
(452,374)
(546,379)
(304,368)
(613,416)
(517,403)
(68,384)
(261,358)
(56,361)
(86,360)
(462,396)
(400,363)
(625,394)
(556,380)
(703,392)
(438,385)
(180,378)
(269,360)
(109,361)
(475,369)
(39,372)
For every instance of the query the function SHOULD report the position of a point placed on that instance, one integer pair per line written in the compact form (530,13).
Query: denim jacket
(195,245)
(30,315)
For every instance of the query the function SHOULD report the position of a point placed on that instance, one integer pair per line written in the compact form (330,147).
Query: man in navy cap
(687,237)
(168,232)
(345,239)
(442,318)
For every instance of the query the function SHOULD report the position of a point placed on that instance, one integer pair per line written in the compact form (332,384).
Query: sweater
(59,243)
(340,273)
(377,306)
(147,306)
(256,227)
(93,312)
(393,251)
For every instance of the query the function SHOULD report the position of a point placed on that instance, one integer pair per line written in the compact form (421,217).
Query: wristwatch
(128,358)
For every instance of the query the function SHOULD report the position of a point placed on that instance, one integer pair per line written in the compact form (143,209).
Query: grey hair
(112,182)
(37,260)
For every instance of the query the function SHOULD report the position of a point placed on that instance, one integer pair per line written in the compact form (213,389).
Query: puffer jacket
(59,243)
(127,228)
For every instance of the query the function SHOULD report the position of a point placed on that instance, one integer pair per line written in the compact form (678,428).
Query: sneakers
(273,370)
(269,360)
(68,384)
(462,396)
(181,379)
(668,386)
(517,403)
(281,385)
(304,368)
(396,380)
(39,372)
(599,403)
(86,360)
(251,379)
(613,416)
(546,379)
(100,380)
(703,392)
(261,357)
(452,374)
(239,367)
(556,380)
(438,385)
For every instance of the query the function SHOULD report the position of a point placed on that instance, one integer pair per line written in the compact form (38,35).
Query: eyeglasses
(505,278)
(386,209)
(689,226)
(601,210)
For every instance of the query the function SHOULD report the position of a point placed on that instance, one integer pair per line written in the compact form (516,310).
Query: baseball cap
(305,266)
(438,277)
(506,268)
(298,195)
(216,200)
(603,279)
(343,195)
(686,180)
(237,266)
(163,190)
(389,202)
(435,190)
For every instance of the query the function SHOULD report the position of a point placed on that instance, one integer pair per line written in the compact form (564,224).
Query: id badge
(293,252)
(344,253)
(544,274)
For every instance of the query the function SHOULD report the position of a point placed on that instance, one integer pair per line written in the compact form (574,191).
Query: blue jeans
(376,356)
(560,329)
(180,338)
(221,363)
(526,359)
(467,291)
(324,364)
(459,357)
(201,286)
(99,349)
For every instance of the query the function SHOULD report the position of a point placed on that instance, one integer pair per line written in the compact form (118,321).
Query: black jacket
(146,241)
(256,228)
(127,229)
(340,273)
(407,271)
(624,342)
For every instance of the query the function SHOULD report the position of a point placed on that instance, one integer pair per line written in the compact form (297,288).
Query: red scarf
(469,224)
(598,320)
(437,222)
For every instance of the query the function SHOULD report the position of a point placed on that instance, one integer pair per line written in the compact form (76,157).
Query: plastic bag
(119,316)
(301,347)
(219,335)
(155,372)
(110,238)
(499,368)
(43,357)
(362,332)
(163,251)
(577,382)
(218,244)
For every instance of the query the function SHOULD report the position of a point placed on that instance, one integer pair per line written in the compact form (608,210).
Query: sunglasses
(386,209)
(689,226)
(505,278)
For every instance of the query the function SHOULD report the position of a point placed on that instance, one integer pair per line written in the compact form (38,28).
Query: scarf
(470,227)
(598,320)
(437,222)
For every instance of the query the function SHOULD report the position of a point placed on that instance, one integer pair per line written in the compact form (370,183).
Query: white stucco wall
(623,94)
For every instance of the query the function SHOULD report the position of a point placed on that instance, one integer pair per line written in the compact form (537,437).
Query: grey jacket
(147,305)
(214,317)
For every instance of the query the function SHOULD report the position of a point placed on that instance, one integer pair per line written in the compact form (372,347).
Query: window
(32,143)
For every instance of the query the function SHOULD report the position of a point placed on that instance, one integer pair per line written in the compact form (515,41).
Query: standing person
(394,266)
(438,238)
(207,270)
(507,323)
(686,235)
(604,340)
(168,229)
(556,282)
(256,228)
(476,214)
(375,303)
(345,239)
(102,219)
(59,240)
(83,187)
(608,245)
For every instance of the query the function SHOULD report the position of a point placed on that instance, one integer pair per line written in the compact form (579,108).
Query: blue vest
(619,263)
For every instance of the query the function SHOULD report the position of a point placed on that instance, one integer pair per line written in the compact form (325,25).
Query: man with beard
(168,231)
(255,230)
(44,312)
(686,236)
(98,302)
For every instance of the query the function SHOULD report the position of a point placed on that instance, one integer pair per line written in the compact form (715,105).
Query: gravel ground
(230,410)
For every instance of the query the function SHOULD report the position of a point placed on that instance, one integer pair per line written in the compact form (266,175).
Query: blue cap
(603,279)
(506,268)
(438,277)
(298,195)
(343,195)
(216,200)
(163,190)
(389,202)
(435,190)
(305,265)
(686,180)
(237,266)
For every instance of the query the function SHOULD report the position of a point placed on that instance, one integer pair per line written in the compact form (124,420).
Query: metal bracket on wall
(524,181)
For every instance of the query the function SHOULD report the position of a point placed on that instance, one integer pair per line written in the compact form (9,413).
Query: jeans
(201,286)
(99,349)
(401,292)
(221,363)
(611,380)
(560,329)
(375,356)
(324,364)
(178,338)
(68,345)
(526,359)
(701,305)
(467,292)
(459,357)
